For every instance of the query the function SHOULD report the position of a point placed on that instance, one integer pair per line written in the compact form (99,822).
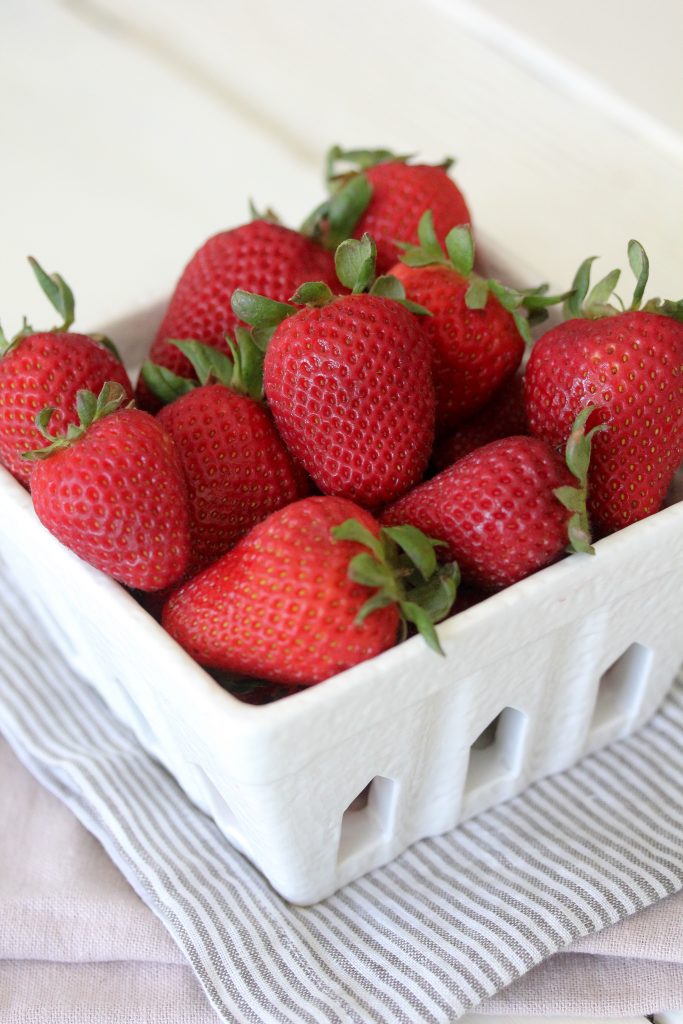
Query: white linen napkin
(452,922)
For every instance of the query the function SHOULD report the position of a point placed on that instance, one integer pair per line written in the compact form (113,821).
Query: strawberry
(348,380)
(261,256)
(507,509)
(290,603)
(237,468)
(48,367)
(477,327)
(112,490)
(504,416)
(385,196)
(628,363)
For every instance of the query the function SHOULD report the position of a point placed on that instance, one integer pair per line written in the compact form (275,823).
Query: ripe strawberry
(237,468)
(629,364)
(348,380)
(290,603)
(504,416)
(112,490)
(477,327)
(261,256)
(48,368)
(507,509)
(385,196)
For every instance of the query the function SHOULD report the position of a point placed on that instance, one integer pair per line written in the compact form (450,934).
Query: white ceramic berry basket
(323,786)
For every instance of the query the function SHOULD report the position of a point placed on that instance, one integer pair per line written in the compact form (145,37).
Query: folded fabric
(453,921)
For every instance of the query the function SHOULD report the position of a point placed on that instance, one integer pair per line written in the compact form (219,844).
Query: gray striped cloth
(450,922)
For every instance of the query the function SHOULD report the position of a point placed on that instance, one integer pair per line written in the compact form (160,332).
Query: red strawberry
(477,329)
(504,510)
(629,364)
(385,198)
(504,416)
(112,490)
(237,468)
(348,380)
(261,256)
(290,603)
(48,368)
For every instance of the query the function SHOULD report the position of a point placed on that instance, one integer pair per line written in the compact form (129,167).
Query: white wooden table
(132,130)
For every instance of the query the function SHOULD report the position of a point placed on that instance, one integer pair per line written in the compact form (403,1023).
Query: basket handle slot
(497,752)
(369,818)
(621,688)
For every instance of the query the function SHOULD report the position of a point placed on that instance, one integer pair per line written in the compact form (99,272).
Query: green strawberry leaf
(477,293)
(102,339)
(573,307)
(335,219)
(421,620)
(389,287)
(601,292)
(89,408)
(373,604)
(366,569)
(429,243)
(351,529)
(522,325)
(394,560)
(247,364)
(5,342)
(460,249)
(164,384)
(58,292)
(665,307)
(86,407)
(361,159)
(436,595)
(640,265)
(269,215)
(207,362)
(508,297)
(418,547)
(355,263)
(258,311)
(313,293)
(577,457)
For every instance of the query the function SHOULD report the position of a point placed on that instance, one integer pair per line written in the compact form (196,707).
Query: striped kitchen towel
(452,921)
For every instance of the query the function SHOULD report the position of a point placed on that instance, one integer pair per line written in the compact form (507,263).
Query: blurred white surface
(629,48)
(134,130)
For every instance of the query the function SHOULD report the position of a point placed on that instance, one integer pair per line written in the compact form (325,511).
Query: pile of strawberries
(332,431)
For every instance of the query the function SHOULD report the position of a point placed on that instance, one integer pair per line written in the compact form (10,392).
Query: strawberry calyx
(62,299)
(363,159)
(355,262)
(577,458)
(402,567)
(269,214)
(527,306)
(242,374)
(60,296)
(335,219)
(601,300)
(58,292)
(90,409)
